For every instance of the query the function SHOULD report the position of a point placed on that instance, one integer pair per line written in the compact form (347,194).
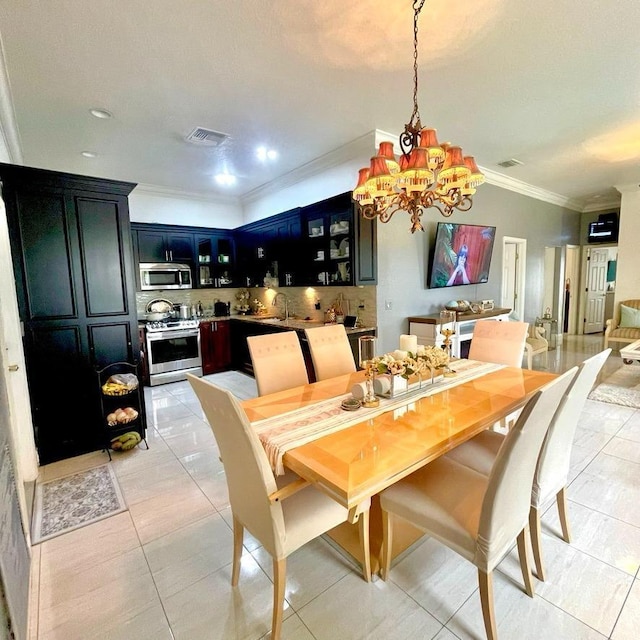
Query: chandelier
(427,174)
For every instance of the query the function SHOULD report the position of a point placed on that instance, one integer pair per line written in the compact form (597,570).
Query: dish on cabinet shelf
(344,248)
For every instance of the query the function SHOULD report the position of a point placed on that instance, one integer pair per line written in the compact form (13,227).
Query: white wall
(627,286)
(146,205)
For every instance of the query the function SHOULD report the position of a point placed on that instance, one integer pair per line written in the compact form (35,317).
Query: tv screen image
(461,254)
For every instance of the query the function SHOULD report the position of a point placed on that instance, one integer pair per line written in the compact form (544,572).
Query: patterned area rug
(74,501)
(621,387)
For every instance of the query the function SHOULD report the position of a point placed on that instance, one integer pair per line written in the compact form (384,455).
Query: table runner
(294,428)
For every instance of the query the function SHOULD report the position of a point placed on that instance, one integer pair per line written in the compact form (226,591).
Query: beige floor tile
(212,608)
(628,625)
(358,610)
(200,438)
(445,634)
(250,543)
(160,415)
(631,428)
(169,511)
(152,481)
(518,617)
(138,458)
(622,448)
(150,624)
(310,570)
(182,427)
(610,485)
(101,542)
(73,465)
(437,578)
(603,537)
(586,588)
(207,471)
(103,605)
(183,557)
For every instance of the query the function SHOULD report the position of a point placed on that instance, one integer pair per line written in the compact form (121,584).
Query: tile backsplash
(302,301)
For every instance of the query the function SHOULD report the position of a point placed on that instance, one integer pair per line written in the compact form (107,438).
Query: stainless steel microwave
(164,275)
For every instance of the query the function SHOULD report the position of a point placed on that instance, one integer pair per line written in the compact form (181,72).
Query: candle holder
(447,318)
(366,354)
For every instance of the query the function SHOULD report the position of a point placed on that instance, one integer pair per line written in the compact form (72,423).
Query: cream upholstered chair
(277,361)
(330,351)
(629,331)
(479,516)
(499,342)
(536,343)
(552,470)
(282,520)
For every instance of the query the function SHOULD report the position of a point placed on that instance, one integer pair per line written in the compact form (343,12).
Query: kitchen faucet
(286,303)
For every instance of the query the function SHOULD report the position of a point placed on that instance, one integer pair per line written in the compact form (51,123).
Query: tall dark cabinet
(75,283)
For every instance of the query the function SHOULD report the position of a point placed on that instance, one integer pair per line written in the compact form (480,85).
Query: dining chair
(283,519)
(552,471)
(331,352)
(499,342)
(478,516)
(277,361)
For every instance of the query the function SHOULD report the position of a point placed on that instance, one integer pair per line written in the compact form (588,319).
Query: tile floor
(162,569)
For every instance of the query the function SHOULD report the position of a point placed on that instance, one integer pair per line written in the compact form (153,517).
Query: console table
(427,328)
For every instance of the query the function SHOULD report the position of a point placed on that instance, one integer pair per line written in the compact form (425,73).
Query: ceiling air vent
(200,135)
(509,163)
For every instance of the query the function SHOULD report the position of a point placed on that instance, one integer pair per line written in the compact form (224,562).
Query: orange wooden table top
(354,464)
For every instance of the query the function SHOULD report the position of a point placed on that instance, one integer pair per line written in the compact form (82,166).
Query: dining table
(353,455)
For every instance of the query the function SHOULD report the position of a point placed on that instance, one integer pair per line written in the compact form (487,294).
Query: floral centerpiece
(405,364)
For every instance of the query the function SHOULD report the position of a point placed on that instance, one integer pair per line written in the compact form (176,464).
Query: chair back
(330,351)
(499,342)
(278,362)
(554,461)
(505,508)
(250,479)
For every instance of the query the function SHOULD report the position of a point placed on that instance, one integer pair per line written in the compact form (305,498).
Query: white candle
(399,354)
(409,343)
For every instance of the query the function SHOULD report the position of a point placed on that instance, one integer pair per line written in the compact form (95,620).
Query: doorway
(514,270)
(594,267)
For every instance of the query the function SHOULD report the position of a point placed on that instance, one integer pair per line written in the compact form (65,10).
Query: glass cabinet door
(205,259)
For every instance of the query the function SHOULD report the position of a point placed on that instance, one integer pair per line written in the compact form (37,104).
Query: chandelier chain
(415,116)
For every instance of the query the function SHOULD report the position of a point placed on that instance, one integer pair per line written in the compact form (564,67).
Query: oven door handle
(174,333)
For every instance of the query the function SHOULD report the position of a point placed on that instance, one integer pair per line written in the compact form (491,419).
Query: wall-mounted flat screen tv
(461,254)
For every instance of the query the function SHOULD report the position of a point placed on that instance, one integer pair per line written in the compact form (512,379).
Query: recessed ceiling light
(100,113)
(263,154)
(225,179)
(89,154)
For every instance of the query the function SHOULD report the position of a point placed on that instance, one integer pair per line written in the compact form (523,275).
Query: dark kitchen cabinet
(215,345)
(155,245)
(72,256)
(216,264)
(338,245)
(269,247)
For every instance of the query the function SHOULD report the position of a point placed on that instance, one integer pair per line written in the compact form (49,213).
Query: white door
(596,272)
(513,275)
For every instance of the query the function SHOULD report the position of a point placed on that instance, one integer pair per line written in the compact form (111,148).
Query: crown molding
(632,187)
(526,189)
(167,192)
(603,205)
(8,124)
(353,150)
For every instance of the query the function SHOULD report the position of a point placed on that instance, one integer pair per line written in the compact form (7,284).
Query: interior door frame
(521,271)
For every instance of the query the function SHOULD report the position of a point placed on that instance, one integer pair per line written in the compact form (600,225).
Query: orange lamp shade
(380,182)
(360,193)
(476,177)
(454,169)
(417,176)
(386,151)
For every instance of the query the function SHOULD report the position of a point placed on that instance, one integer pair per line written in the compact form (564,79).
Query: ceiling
(552,83)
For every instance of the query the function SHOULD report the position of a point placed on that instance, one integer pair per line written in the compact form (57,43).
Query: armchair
(536,343)
(615,333)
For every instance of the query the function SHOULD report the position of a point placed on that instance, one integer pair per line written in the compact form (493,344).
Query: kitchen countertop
(292,323)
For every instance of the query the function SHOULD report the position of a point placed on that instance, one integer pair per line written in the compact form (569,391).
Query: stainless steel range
(173,348)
